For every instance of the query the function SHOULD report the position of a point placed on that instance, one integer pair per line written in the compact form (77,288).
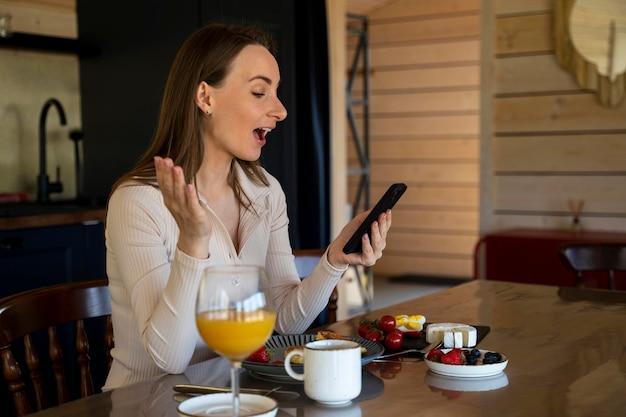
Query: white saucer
(251,405)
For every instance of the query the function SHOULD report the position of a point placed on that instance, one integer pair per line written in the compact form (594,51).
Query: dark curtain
(313,102)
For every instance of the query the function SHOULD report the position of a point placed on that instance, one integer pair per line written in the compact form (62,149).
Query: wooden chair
(31,314)
(306,260)
(581,257)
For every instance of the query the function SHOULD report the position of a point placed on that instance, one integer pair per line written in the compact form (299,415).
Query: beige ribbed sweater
(153,284)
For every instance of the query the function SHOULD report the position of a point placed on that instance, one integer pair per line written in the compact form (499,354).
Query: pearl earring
(208,111)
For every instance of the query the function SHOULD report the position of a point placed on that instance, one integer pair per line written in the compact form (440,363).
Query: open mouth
(261,133)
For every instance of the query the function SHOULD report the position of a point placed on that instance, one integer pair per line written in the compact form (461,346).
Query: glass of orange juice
(235,317)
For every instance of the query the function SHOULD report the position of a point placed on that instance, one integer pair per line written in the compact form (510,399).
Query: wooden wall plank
(403,9)
(540,73)
(416,243)
(420,150)
(428,200)
(428,30)
(459,173)
(60,4)
(524,34)
(394,265)
(564,222)
(425,54)
(430,196)
(434,125)
(50,18)
(363,7)
(63,4)
(504,7)
(602,194)
(571,153)
(422,79)
(463,101)
(450,220)
(575,112)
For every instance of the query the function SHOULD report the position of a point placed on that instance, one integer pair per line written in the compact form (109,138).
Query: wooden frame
(610,90)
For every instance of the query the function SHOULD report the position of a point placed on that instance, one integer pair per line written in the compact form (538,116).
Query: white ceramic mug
(332,370)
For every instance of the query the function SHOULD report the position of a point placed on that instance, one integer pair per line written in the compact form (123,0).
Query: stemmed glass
(235,317)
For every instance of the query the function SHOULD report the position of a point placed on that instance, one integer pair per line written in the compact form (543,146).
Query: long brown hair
(207,56)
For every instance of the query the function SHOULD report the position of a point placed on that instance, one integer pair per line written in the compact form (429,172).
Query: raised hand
(182,201)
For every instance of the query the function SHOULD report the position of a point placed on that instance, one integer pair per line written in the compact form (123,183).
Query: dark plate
(278,344)
(420,342)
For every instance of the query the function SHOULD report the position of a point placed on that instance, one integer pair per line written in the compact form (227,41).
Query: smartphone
(387,201)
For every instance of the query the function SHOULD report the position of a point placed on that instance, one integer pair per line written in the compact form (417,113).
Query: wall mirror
(590,41)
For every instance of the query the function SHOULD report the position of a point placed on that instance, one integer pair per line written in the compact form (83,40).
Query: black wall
(122,84)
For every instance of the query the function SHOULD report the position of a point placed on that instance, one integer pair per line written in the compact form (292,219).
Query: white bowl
(468,371)
(251,405)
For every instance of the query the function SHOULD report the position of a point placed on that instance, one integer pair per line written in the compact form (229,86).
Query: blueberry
(492,357)
(471,360)
(475,352)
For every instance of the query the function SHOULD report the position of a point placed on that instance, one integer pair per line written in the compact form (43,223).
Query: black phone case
(387,201)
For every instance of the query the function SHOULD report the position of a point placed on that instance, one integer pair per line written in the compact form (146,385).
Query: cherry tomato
(387,323)
(398,331)
(374,336)
(393,341)
(364,328)
(414,334)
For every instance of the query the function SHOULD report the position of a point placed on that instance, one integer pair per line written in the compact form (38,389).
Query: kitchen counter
(57,218)
(47,244)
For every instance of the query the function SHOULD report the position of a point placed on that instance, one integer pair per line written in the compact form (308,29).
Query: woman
(198,197)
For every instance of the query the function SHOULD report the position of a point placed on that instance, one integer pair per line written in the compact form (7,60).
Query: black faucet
(45,187)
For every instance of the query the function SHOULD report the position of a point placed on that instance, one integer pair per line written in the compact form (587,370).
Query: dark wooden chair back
(581,257)
(46,309)
(306,260)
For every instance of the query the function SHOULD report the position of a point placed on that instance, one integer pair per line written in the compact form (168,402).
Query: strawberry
(262,355)
(454,357)
(434,355)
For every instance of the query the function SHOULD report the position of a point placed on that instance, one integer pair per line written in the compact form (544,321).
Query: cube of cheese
(452,334)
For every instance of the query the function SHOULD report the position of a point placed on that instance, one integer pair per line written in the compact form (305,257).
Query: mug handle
(295,375)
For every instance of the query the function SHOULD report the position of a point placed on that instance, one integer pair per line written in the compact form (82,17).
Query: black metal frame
(358,25)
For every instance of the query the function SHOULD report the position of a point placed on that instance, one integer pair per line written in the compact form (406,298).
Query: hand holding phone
(386,202)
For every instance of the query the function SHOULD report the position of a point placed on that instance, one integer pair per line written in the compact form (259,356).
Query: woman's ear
(203,98)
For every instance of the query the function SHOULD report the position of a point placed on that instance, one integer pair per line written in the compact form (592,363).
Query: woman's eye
(258,94)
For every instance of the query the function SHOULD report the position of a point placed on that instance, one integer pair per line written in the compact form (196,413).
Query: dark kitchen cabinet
(122,85)
(40,256)
(37,257)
